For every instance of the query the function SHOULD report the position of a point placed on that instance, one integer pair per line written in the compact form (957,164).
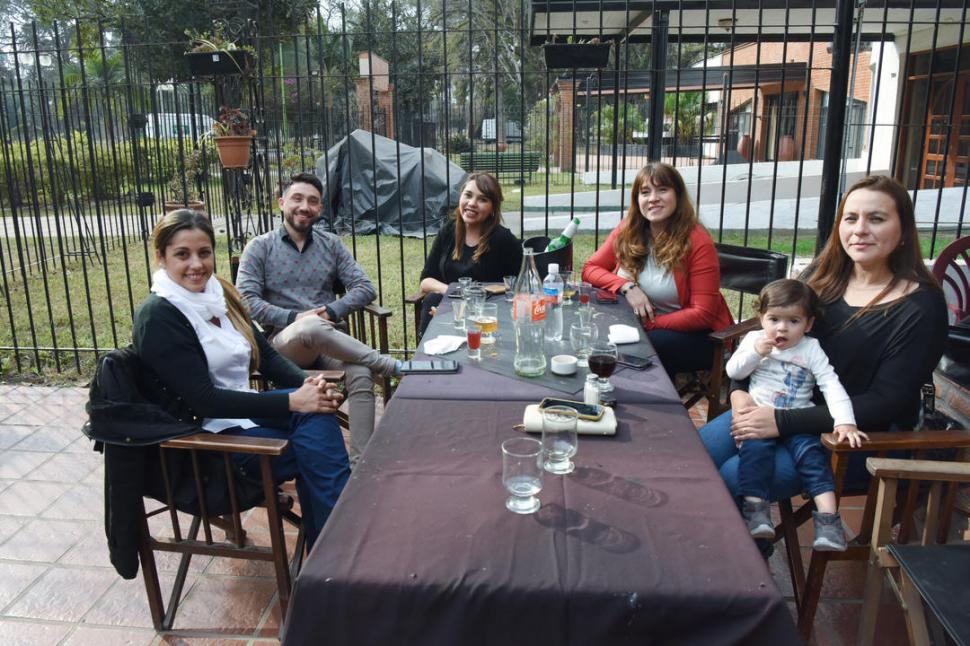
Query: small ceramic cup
(563,364)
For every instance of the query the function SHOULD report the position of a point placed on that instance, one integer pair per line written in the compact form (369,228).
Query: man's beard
(301,228)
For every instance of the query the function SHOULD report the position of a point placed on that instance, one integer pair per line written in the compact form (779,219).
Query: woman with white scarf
(195,334)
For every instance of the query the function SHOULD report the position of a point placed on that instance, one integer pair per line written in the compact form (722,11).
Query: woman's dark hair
(187,219)
(492,190)
(302,178)
(831,271)
(179,220)
(633,242)
(785,293)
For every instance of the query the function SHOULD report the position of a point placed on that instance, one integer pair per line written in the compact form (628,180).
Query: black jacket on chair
(128,428)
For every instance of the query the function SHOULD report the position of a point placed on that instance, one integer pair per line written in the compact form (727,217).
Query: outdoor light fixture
(726,23)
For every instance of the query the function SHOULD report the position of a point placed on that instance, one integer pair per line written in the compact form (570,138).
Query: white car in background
(169,125)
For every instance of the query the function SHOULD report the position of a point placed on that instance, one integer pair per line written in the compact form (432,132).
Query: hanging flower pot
(219,62)
(576,55)
(233,137)
(234,150)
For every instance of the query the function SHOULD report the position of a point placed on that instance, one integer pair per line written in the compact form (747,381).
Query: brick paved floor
(57,586)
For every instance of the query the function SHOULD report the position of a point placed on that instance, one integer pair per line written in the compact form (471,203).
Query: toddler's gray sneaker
(829,535)
(757,515)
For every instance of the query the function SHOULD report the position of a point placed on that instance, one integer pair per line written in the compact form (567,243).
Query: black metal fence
(769,108)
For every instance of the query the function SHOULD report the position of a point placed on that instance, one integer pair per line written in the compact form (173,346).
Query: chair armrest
(919,469)
(228,443)
(329,375)
(902,441)
(734,331)
(414,299)
(378,311)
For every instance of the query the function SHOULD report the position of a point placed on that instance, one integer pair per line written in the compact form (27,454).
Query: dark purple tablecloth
(640,545)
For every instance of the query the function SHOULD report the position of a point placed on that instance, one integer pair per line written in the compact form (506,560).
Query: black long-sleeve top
(503,258)
(167,343)
(882,359)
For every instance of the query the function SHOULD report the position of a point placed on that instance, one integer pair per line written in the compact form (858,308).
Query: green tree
(602,121)
(685,111)
(535,127)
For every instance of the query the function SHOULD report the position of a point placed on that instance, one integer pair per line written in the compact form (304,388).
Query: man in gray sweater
(287,278)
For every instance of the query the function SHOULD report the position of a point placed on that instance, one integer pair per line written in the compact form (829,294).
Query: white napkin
(623,334)
(443,344)
(606,425)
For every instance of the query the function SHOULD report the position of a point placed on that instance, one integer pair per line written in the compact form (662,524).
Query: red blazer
(698,288)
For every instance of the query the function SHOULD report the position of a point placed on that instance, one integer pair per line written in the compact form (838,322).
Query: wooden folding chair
(234,546)
(807,589)
(885,560)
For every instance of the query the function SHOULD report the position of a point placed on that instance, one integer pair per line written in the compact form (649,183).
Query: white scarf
(227,352)
(207,305)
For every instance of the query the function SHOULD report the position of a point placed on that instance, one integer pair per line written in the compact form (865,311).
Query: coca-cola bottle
(529,317)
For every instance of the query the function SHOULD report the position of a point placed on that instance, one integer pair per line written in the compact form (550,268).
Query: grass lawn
(55,310)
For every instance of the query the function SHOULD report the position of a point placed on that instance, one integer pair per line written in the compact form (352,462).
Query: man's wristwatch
(626,288)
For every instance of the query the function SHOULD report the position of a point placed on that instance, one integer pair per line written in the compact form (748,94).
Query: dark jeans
(682,351)
(316,457)
(756,465)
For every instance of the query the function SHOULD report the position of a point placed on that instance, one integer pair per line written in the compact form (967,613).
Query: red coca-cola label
(536,306)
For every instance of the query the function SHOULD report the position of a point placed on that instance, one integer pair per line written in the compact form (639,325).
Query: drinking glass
(581,338)
(602,363)
(474,296)
(458,308)
(509,287)
(569,286)
(473,336)
(463,282)
(559,441)
(522,473)
(585,293)
(486,320)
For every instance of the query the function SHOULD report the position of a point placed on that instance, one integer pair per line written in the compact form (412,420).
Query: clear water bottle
(552,287)
(529,316)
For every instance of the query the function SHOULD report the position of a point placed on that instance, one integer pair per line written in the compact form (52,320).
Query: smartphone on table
(603,296)
(592,412)
(429,367)
(633,361)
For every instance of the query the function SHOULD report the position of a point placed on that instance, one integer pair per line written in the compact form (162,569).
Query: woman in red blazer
(664,262)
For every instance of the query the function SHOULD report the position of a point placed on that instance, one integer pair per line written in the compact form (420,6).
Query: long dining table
(641,544)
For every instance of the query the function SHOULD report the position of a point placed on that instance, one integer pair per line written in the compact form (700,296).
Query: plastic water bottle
(552,287)
(529,316)
(565,237)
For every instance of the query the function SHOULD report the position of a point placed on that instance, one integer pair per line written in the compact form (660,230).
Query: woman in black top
(194,333)
(883,329)
(472,243)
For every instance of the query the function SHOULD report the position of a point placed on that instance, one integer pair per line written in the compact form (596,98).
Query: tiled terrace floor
(57,586)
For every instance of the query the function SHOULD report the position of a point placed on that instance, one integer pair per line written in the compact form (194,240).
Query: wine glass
(522,473)
(568,286)
(509,287)
(581,338)
(602,363)
(559,441)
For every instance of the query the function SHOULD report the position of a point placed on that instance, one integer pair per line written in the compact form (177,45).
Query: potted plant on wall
(183,193)
(213,54)
(582,54)
(233,137)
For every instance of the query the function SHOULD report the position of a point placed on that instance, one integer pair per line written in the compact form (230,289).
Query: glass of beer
(486,320)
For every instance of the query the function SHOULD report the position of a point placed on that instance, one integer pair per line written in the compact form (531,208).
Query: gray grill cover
(347,172)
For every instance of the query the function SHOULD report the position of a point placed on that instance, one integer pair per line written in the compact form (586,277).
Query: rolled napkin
(620,334)
(443,344)
(606,425)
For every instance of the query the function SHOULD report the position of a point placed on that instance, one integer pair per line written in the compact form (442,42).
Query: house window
(855,127)
(781,111)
